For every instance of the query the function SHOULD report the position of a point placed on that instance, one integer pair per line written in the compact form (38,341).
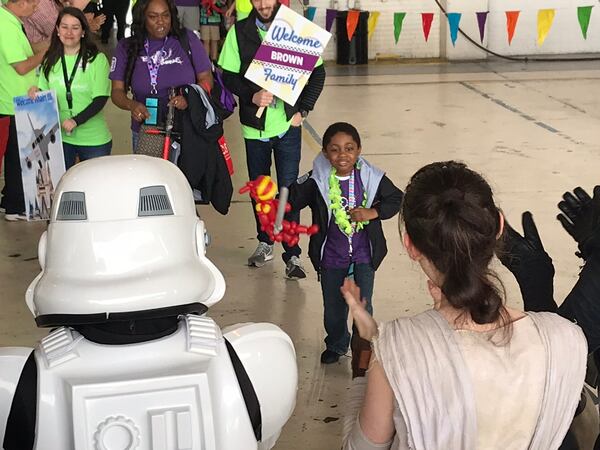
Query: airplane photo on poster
(40,150)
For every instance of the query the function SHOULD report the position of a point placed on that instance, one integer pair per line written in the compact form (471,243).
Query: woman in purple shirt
(152,61)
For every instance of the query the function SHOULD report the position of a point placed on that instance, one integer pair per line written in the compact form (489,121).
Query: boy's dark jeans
(335,308)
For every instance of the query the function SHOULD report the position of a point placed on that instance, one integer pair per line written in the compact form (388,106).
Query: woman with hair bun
(470,373)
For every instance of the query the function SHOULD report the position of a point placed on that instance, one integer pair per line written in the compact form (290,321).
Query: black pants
(114,9)
(12,193)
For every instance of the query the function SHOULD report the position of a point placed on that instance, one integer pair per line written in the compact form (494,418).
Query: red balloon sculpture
(263,190)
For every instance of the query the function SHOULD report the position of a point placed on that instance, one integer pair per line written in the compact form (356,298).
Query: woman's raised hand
(367,327)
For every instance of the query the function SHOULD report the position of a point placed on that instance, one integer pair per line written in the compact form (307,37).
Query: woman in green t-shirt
(78,73)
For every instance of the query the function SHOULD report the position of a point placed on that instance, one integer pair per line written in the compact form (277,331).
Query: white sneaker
(262,254)
(14,217)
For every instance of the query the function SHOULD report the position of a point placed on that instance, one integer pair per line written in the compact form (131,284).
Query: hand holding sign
(285,60)
(261,99)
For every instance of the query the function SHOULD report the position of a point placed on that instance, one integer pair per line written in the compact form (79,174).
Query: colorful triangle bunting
(583,14)
(512,17)
(372,23)
(330,16)
(427,19)
(352,22)
(453,21)
(398,19)
(481,19)
(545,19)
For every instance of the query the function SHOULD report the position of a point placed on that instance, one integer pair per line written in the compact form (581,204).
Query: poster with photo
(288,54)
(40,150)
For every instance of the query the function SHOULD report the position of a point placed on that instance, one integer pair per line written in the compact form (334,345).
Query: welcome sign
(288,54)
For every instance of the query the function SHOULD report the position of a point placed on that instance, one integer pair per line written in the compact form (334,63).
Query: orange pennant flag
(511,23)
(352,22)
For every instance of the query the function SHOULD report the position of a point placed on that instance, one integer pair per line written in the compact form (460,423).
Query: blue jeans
(287,151)
(135,138)
(84,152)
(335,314)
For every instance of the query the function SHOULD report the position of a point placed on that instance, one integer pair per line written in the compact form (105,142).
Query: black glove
(527,260)
(580,217)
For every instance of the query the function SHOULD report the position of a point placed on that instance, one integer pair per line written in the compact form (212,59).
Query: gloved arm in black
(527,260)
(580,217)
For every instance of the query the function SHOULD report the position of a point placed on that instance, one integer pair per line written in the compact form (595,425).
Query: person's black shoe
(329,357)
(294,269)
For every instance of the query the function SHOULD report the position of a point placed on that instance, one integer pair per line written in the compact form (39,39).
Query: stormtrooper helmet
(124,242)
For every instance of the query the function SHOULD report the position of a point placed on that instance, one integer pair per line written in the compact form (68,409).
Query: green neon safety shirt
(14,48)
(87,85)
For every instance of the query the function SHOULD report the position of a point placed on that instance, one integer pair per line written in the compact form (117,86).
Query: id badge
(152,107)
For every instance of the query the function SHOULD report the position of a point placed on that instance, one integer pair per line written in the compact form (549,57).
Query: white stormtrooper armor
(133,361)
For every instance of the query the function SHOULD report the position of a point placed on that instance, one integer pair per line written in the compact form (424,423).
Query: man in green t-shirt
(17,74)
(278,130)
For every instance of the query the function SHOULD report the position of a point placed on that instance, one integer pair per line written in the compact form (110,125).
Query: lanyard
(154,66)
(69,80)
(351,205)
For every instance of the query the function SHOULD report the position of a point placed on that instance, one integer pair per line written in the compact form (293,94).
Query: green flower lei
(341,216)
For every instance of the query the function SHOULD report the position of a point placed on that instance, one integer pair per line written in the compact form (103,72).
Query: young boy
(348,197)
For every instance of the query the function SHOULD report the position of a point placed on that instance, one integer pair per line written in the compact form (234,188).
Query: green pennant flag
(398,19)
(584,13)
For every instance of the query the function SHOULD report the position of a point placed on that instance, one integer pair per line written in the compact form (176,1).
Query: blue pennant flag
(310,13)
(453,21)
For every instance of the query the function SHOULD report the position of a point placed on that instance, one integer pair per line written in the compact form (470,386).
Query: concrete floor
(532,129)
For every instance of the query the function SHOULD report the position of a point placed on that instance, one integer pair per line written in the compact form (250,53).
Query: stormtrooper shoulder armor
(269,358)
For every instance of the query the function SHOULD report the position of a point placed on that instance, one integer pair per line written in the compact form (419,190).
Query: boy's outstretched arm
(388,199)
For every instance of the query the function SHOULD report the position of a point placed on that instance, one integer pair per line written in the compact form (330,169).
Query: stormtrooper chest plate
(163,394)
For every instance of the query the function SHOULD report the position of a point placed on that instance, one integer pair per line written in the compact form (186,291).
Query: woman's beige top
(465,390)
(508,383)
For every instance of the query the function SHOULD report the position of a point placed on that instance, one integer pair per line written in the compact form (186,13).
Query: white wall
(565,36)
